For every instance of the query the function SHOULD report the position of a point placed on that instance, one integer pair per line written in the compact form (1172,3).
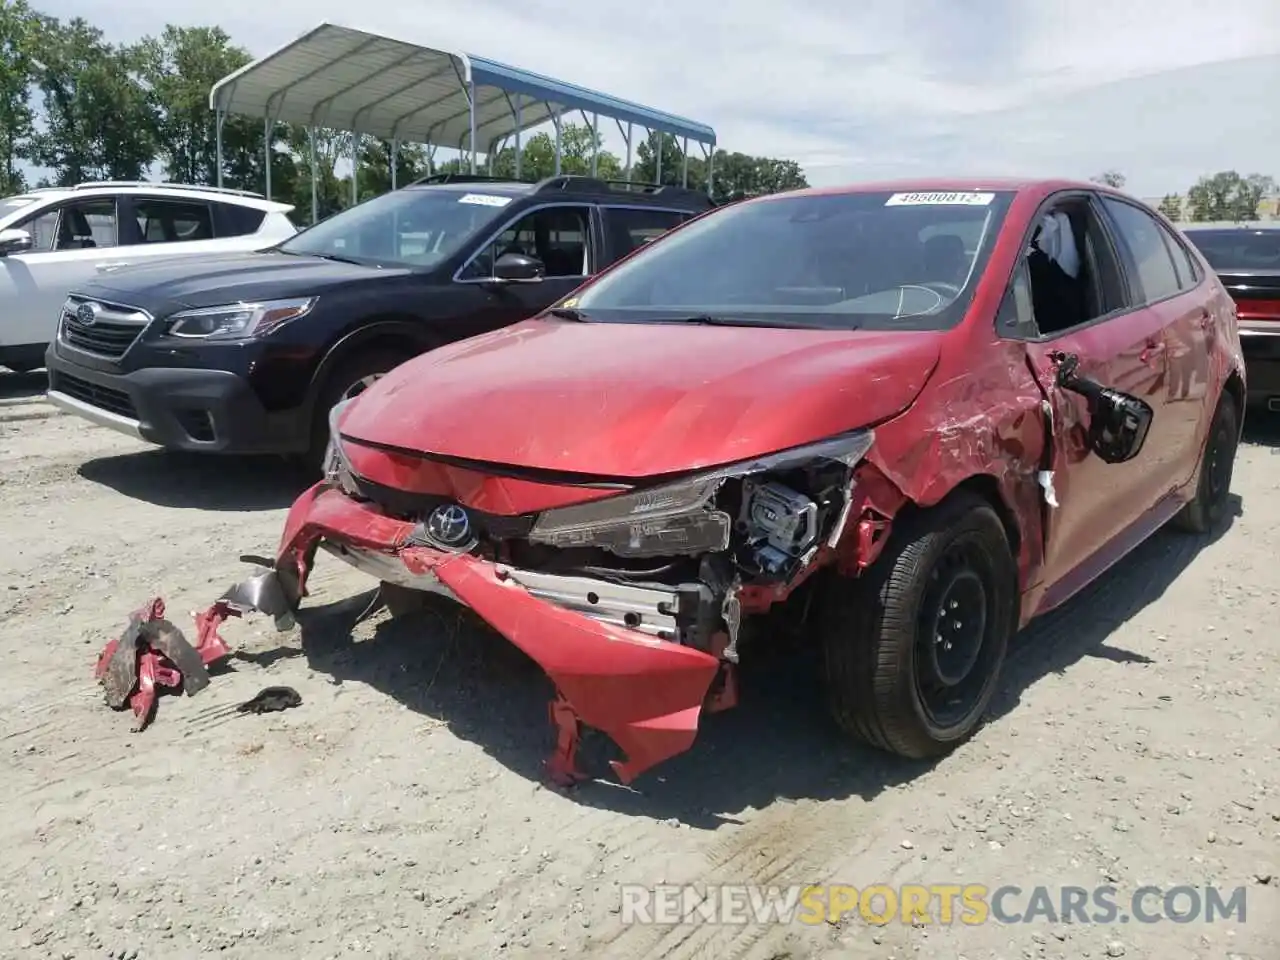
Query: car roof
(566,188)
(195,192)
(1215,227)
(949,184)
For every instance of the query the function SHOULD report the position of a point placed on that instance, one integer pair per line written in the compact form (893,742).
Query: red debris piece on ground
(152,653)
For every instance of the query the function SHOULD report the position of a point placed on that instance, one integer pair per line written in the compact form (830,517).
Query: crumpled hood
(639,399)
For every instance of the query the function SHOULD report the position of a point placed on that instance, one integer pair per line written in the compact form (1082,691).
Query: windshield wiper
(568,313)
(337,259)
(716,320)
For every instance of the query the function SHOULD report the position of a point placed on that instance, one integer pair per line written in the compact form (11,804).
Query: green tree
(180,67)
(375,166)
(99,120)
(17,75)
(1228,196)
(1112,178)
(1171,206)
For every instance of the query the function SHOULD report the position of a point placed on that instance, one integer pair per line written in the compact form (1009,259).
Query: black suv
(246,353)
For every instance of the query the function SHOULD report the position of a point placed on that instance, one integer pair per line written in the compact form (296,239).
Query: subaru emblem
(87,314)
(449,526)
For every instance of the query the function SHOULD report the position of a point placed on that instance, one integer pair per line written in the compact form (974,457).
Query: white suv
(54,239)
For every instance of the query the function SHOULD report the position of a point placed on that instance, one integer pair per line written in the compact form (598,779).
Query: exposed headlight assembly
(238,321)
(679,517)
(337,469)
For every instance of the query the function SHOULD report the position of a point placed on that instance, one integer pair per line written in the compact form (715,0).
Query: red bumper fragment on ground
(152,653)
(644,693)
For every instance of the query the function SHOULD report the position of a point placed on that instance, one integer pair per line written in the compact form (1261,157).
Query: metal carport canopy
(347,79)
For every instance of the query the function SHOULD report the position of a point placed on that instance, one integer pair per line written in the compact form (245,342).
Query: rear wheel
(349,378)
(1208,509)
(913,648)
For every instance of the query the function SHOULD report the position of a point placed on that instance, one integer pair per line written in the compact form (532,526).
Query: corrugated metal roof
(348,79)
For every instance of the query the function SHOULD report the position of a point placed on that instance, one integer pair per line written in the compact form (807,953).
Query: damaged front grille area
(666,560)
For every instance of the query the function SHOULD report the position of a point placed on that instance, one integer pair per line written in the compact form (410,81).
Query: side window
(237,221)
(43,229)
(87,225)
(1142,235)
(172,221)
(555,235)
(1069,274)
(1188,272)
(630,228)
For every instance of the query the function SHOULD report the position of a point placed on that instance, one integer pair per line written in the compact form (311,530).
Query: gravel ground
(398,812)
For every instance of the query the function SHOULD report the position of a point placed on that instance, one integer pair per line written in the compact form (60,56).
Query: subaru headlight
(679,516)
(238,321)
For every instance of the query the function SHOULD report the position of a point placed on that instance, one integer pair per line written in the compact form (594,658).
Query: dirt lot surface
(399,813)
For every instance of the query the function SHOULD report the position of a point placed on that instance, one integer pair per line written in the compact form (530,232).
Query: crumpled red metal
(646,694)
(152,654)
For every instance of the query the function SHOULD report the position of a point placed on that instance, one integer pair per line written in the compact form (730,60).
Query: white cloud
(1163,90)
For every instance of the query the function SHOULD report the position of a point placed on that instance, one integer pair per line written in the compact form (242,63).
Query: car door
(1169,285)
(563,236)
(1095,318)
(70,240)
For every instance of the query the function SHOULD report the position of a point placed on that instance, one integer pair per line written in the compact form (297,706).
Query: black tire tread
(1196,516)
(336,382)
(869,618)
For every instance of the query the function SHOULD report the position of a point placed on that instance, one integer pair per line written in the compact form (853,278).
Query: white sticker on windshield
(963,198)
(484,199)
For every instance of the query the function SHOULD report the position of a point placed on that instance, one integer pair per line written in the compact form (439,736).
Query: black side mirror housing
(518,268)
(1118,422)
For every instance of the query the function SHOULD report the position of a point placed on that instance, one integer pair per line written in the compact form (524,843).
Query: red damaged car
(915,415)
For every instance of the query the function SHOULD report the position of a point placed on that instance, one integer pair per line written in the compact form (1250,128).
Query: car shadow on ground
(22,386)
(777,744)
(169,478)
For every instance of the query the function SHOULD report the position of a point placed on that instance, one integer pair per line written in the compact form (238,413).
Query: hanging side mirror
(14,241)
(518,268)
(1118,422)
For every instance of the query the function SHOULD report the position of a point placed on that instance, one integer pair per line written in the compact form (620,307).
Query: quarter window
(1143,236)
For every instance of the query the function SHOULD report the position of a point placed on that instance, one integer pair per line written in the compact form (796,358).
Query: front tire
(914,646)
(1208,509)
(349,378)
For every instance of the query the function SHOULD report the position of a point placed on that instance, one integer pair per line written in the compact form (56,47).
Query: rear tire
(350,377)
(914,646)
(1208,509)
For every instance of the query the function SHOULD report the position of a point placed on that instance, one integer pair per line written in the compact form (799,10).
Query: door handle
(1151,351)
(112,265)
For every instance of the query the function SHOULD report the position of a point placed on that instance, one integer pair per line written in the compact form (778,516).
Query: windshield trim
(947,318)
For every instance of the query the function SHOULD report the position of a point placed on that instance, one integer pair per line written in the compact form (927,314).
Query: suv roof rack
(98,184)
(462,178)
(572,183)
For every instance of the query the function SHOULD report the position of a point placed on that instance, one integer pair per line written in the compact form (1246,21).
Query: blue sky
(1163,90)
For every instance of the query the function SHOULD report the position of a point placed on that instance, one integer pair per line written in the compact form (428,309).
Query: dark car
(246,353)
(1247,261)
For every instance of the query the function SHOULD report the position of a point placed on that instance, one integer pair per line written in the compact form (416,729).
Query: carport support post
(627,139)
(266,142)
(595,144)
(471,110)
(395,160)
(657,178)
(684,167)
(519,124)
(555,119)
(217,127)
(711,170)
(315,192)
(355,168)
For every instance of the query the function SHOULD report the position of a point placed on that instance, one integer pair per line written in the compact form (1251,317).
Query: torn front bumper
(597,641)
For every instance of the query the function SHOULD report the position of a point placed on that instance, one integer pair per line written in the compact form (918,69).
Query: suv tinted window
(630,228)
(1238,249)
(555,235)
(1142,234)
(237,221)
(172,221)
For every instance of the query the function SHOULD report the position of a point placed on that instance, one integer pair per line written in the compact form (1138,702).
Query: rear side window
(172,221)
(1148,248)
(631,228)
(238,221)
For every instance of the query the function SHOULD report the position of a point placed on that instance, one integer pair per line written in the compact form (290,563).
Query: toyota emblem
(449,526)
(87,314)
